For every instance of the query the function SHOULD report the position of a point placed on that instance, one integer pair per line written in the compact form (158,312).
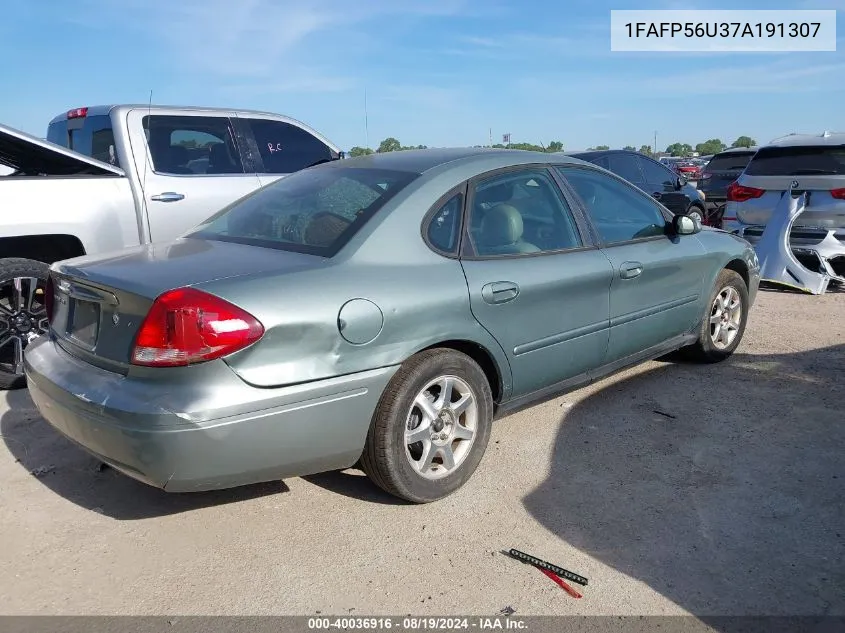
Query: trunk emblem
(795,184)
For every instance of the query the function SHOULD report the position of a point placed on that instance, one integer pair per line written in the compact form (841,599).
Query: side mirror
(685,225)
(681,181)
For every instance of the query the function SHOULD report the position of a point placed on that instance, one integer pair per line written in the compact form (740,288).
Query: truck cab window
(192,145)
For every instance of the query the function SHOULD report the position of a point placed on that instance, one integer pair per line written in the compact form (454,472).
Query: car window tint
(519,213)
(798,161)
(625,166)
(286,148)
(445,227)
(192,145)
(656,174)
(731,161)
(619,211)
(314,211)
(91,135)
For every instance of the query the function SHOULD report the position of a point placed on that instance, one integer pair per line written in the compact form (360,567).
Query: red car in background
(688,169)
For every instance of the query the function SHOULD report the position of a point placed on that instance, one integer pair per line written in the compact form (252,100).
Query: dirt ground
(674,488)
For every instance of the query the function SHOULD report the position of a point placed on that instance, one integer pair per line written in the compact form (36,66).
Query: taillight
(741,193)
(186,326)
(49,298)
(839,194)
(77,113)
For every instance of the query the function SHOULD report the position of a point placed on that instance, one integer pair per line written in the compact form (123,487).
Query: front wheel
(23,314)
(431,427)
(724,322)
(697,213)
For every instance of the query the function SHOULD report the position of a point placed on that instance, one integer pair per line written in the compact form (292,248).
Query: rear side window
(287,148)
(444,228)
(625,166)
(316,211)
(91,135)
(734,161)
(798,161)
(192,145)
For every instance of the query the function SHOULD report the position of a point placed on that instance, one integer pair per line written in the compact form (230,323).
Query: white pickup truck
(110,177)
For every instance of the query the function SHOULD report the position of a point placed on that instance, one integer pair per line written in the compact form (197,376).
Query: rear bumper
(130,423)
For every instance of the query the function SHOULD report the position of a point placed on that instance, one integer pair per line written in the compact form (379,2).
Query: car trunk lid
(100,302)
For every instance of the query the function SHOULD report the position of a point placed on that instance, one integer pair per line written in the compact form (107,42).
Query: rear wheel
(724,322)
(431,427)
(23,314)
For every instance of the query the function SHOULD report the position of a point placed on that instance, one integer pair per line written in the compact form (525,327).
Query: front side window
(619,212)
(656,174)
(286,148)
(625,166)
(521,212)
(192,145)
(315,211)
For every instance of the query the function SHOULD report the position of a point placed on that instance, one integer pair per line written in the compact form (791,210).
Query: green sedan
(379,311)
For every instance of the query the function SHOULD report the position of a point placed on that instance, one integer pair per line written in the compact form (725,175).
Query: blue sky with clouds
(436,72)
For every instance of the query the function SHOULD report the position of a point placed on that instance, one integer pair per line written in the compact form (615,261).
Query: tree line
(711,146)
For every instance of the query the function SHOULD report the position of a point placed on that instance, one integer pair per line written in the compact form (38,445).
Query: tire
(15,332)
(707,349)
(395,466)
(695,210)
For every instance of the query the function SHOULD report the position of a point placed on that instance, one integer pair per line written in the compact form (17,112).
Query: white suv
(814,164)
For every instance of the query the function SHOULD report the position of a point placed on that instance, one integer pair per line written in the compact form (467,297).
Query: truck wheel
(23,314)
(431,427)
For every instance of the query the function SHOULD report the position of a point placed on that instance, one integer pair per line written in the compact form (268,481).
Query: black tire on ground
(694,209)
(384,459)
(705,350)
(10,269)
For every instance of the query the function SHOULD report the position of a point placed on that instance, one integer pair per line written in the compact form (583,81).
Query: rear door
(662,184)
(817,170)
(657,280)
(190,165)
(537,283)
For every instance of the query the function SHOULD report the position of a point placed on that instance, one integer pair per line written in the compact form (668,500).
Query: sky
(432,72)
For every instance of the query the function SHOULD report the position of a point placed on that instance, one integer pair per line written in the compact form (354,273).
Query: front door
(190,166)
(536,282)
(657,279)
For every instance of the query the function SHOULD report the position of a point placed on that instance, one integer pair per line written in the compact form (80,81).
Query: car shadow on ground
(720,486)
(70,472)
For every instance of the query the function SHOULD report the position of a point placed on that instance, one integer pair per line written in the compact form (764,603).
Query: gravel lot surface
(674,488)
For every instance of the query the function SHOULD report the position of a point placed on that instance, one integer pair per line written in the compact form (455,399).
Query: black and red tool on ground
(557,574)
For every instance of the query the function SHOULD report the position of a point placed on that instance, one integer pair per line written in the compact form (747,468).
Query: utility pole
(654,147)
(491,137)
(366,122)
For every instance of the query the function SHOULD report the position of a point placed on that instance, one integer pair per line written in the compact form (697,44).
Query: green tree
(602,147)
(554,146)
(645,149)
(630,148)
(710,146)
(744,141)
(360,151)
(389,144)
(679,149)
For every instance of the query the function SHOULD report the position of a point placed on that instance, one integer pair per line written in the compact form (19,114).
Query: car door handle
(500,292)
(629,270)
(168,196)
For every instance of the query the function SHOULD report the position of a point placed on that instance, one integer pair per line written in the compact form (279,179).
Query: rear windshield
(798,161)
(91,135)
(735,161)
(314,211)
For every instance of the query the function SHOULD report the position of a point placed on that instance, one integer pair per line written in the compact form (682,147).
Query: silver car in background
(800,163)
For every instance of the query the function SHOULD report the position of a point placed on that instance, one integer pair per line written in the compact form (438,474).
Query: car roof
(738,150)
(423,160)
(797,140)
(600,152)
